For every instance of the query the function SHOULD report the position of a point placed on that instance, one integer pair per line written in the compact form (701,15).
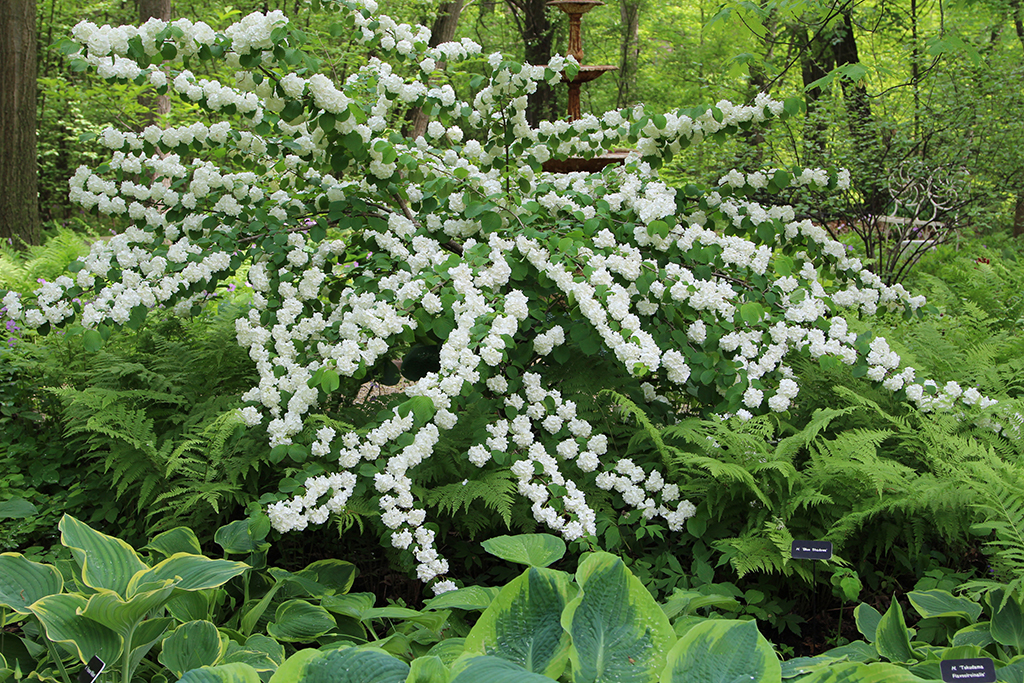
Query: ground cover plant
(511,297)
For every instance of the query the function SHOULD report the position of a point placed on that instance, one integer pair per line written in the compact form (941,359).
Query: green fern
(494,489)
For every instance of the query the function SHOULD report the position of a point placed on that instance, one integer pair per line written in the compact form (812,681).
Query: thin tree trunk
(816,61)
(160,105)
(629,56)
(538,38)
(19,200)
(443,31)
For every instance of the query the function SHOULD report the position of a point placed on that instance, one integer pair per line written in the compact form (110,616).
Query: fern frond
(494,488)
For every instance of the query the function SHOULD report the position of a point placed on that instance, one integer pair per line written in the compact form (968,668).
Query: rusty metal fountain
(576,9)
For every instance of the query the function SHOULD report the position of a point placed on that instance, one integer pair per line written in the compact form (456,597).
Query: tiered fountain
(576,9)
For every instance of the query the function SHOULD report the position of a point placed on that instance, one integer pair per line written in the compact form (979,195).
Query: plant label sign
(968,670)
(91,671)
(811,550)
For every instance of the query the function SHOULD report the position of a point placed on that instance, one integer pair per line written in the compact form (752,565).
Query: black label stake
(981,670)
(91,671)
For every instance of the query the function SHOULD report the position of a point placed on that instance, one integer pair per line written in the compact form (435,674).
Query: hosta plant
(510,295)
(598,626)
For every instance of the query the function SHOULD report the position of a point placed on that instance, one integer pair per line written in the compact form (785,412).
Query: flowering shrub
(465,247)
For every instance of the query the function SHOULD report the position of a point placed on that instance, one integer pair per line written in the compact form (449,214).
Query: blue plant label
(811,550)
(968,670)
(91,671)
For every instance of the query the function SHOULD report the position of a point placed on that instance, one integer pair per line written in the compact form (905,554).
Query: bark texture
(19,202)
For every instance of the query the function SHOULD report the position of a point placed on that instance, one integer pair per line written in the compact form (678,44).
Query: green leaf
(976,634)
(751,312)
(867,618)
(534,550)
(488,669)
(189,606)
(940,603)
(523,624)
(722,651)
(1007,619)
(351,665)
(619,633)
(858,672)
(892,639)
(222,673)
(299,621)
(428,669)
(192,645)
(470,598)
(332,575)
(17,508)
(237,538)
(177,540)
(123,616)
(60,616)
(23,581)
(106,562)
(194,572)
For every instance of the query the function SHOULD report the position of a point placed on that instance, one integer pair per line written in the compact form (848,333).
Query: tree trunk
(160,105)
(19,201)
(816,61)
(629,56)
(443,31)
(538,37)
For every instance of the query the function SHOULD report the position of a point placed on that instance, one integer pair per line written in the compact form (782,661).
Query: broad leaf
(867,618)
(192,645)
(59,616)
(222,673)
(470,598)
(195,572)
(428,669)
(534,550)
(523,624)
(177,540)
(122,616)
(722,651)
(940,603)
(892,639)
(1007,620)
(619,633)
(22,582)
(488,669)
(349,665)
(299,621)
(106,562)
(858,672)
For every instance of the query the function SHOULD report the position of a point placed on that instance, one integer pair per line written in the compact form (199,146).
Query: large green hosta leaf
(535,550)
(349,665)
(60,617)
(191,572)
(857,672)
(891,638)
(222,673)
(940,603)
(619,633)
(1007,619)
(523,624)
(488,669)
(22,582)
(106,562)
(192,645)
(722,651)
(123,616)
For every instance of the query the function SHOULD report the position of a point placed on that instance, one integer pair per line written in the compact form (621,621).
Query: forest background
(929,91)
(889,86)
